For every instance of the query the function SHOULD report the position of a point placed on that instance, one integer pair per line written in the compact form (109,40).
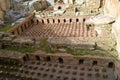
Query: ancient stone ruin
(62,40)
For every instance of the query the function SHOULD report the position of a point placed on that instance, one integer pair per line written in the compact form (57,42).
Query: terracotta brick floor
(73,29)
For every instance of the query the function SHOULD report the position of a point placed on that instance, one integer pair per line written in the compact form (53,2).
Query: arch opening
(60,60)
(37,57)
(48,58)
(94,63)
(81,61)
(110,65)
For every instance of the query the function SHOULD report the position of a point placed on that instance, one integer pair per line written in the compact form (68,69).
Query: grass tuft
(6,28)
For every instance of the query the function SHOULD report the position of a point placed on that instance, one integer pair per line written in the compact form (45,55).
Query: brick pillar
(51,21)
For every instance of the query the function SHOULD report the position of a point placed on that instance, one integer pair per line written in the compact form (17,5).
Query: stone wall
(17,30)
(70,59)
(103,30)
(66,59)
(32,66)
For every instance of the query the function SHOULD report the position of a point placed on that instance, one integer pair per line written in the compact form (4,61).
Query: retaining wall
(69,59)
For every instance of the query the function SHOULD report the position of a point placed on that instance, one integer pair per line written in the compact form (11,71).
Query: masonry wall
(30,21)
(72,60)
(17,30)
